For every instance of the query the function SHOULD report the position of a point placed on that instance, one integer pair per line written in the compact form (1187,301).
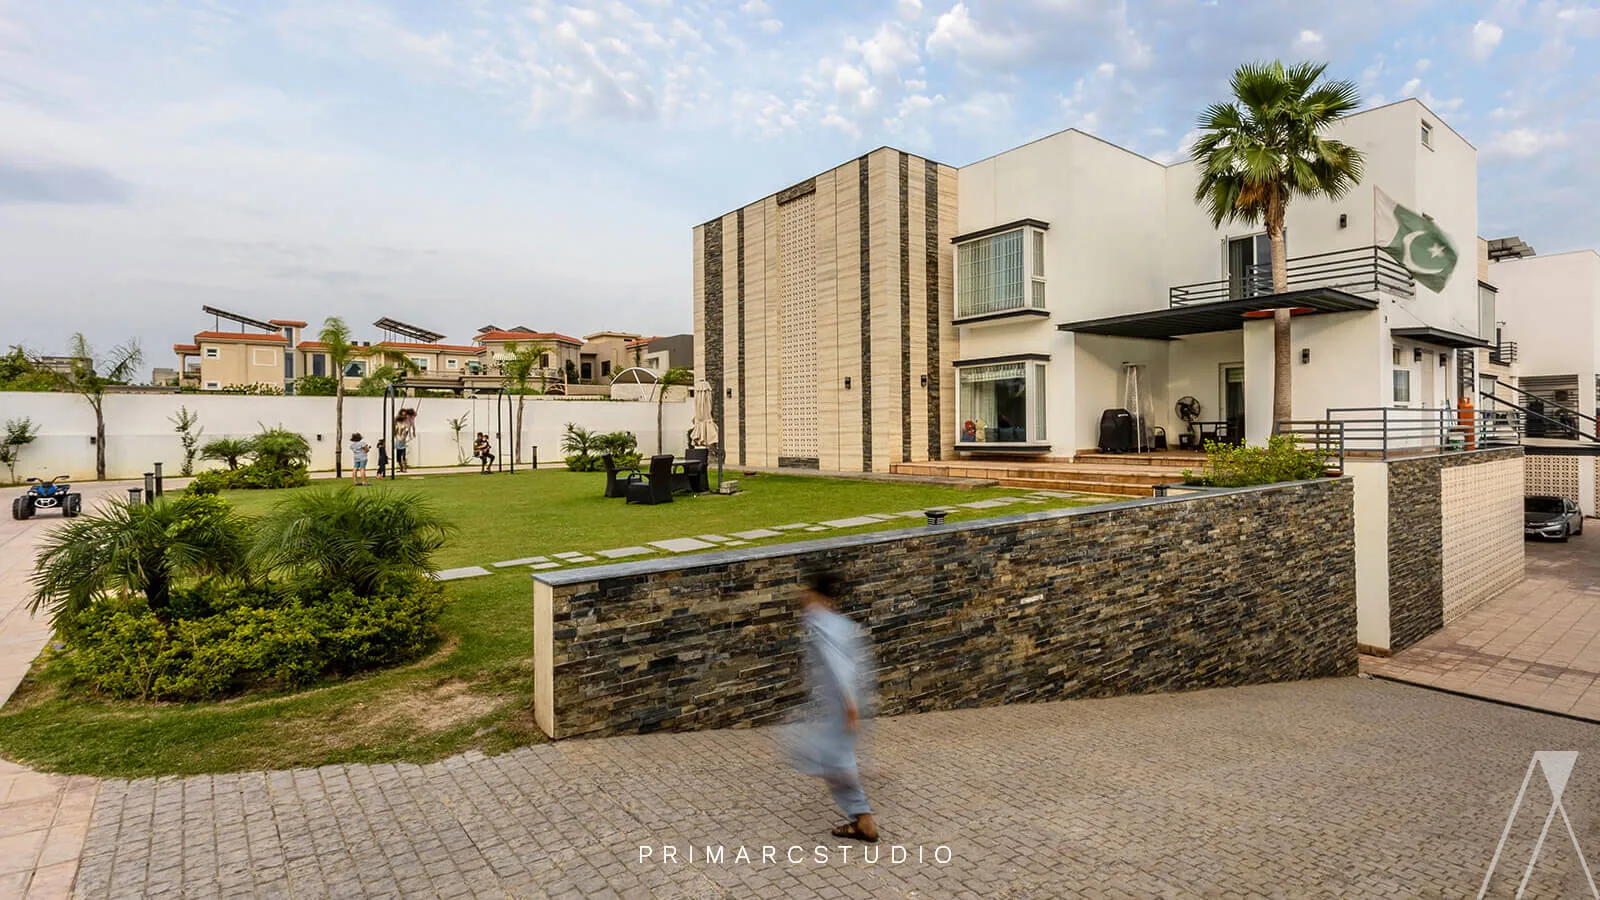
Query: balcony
(1360,270)
(1503,353)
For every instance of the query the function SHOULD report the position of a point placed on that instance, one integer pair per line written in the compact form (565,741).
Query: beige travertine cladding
(828,378)
(699,298)
(847,333)
(883,212)
(755,292)
(950,345)
(917,249)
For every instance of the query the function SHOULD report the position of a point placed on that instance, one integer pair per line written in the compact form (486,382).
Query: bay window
(1001,402)
(1001,271)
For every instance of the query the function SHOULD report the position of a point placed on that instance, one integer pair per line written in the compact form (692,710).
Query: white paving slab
(738,543)
(713,538)
(1055,495)
(581,559)
(546,565)
(567,555)
(458,574)
(982,504)
(880,516)
(817,528)
(526,561)
(910,514)
(795,527)
(852,522)
(682,545)
(1032,500)
(620,552)
(756,534)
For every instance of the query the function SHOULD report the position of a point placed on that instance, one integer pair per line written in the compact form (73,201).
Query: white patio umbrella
(704,430)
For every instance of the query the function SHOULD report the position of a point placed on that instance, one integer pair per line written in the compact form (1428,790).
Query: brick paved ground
(1537,644)
(1340,788)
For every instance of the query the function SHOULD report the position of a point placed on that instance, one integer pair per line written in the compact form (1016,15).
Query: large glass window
(356,368)
(1001,403)
(993,276)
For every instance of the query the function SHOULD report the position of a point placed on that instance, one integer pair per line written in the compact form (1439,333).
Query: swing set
(401,421)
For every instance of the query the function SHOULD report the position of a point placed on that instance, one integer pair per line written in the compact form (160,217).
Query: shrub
(584,448)
(278,460)
(226,450)
(279,448)
(1281,459)
(315,386)
(367,541)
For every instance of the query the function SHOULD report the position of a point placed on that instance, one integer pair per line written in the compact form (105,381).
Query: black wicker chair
(655,487)
(616,479)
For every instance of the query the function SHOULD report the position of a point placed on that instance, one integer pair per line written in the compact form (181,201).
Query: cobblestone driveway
(1342,788)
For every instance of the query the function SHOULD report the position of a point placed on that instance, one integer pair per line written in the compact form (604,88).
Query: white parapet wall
(139,428)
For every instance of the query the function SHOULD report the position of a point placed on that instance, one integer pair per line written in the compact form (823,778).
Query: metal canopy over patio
(1440,337)
(1221,315)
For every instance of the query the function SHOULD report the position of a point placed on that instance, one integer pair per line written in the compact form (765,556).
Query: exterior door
(1249,263)
(1233,401)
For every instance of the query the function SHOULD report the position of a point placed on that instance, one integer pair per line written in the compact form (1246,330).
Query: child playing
(480,449)
(358,460)
(383,458)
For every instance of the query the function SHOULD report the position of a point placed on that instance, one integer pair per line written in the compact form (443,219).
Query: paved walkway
(43,818)
(1339,788)
(1536,645)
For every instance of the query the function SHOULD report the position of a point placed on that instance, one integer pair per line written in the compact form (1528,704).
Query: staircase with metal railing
(1538,417)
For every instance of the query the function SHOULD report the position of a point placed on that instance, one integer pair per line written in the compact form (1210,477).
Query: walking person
(839,671)
(358,460)
(383,458)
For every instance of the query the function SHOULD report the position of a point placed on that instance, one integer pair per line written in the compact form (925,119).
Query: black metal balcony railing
(1358,270)
(1385,432)
(1503,353)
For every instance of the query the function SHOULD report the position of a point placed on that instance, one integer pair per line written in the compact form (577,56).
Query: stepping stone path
(458,574)
(984,504)
(568,555)
(850,522)
(713,538)
(738,543)
(528,561)
(795,527)
(681,545)
(817,528)
(911,514)
(757,534)
(621,552)
(546,565)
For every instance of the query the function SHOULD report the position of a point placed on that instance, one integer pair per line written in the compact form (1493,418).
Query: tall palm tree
(1265,148)
(517,370)
(677,376)
(90,377)
(342,350)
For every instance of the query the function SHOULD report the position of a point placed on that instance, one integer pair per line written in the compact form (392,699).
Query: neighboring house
(659,354)
(1548,309)
(164,377)
(895,309)
(230,359)
(563,349)
(604,354)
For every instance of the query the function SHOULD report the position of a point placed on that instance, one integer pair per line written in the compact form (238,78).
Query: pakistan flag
(1415,242)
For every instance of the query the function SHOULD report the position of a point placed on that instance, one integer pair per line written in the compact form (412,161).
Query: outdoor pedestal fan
(1188,409)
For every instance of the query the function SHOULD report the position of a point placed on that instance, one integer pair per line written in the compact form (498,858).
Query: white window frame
(212,352)
(213,386)
(452,363)
(360,366)
(1031,290)
(421,362)
(1425,133)
(1036,373)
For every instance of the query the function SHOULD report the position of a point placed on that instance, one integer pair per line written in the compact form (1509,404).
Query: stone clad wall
(1166,594)
(1417,541)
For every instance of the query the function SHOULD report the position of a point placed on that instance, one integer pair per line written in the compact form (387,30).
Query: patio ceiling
(1222,315)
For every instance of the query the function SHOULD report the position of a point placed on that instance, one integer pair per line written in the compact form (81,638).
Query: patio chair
(616,486)
(655,487)
(694,478)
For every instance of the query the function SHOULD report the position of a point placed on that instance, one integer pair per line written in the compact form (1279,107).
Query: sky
(523,162)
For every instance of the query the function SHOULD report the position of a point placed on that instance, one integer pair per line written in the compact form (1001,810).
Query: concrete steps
(1123,475)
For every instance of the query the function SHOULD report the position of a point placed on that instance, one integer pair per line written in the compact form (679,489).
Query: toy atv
(53,494)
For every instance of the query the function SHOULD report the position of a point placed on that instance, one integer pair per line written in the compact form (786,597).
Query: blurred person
(839,673)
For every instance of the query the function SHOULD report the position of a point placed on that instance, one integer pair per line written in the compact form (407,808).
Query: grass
(476,691)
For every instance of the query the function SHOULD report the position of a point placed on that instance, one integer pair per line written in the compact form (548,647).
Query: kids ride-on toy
(53,494)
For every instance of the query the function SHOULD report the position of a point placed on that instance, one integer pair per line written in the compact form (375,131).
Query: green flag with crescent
(1416,242)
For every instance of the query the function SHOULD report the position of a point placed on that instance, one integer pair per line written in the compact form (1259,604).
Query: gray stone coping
(773,551)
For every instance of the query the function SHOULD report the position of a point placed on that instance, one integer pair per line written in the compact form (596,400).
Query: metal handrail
(1326,438)
(1398,430)
(1524,413)
(1358,269)
(1501,384)
(1503,354)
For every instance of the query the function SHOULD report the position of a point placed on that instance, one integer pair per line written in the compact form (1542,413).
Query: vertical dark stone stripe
(905,308)
(740,301)
(866,321)
(714,337)
(935,439)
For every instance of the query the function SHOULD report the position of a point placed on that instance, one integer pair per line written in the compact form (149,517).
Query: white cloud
(1308,41)
(1486,36)
(771,26)
(1423,65)
(1524,142)
(756,7)
(1410,88)
(909,9)
(892,47)
(957,34)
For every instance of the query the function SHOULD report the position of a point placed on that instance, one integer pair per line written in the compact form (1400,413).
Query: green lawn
(476,692)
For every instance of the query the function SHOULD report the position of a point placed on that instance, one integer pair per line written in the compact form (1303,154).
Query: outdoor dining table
(684,472)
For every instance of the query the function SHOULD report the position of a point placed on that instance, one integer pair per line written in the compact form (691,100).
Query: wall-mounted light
(1444,359)
(1343,220)
(91,440)
(319,437)
(924,381)
(1305,355)
(730,393)
(847,382)
(1416,355)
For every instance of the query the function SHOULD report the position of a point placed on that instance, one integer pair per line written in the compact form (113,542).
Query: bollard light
(133,494)
(149,488)
(160,488)
(936,516)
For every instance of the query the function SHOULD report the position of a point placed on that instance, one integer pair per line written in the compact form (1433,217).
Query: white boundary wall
(139,430)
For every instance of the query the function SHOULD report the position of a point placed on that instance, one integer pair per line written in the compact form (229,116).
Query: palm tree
(677,376)
(517,372)
(370,542)
(342,351)
(128,547)
(1265,148)
(226,450)
(90,378)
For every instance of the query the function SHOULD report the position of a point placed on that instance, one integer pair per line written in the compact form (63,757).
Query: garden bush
(278,459)
(585,450)
(1282,459)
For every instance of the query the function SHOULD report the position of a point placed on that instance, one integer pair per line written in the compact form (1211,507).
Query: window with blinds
(1001,403)
(990,275)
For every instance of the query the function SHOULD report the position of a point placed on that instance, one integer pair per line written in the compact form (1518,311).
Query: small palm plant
(370,542)
(517,371)
(133,549)
(226,450)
